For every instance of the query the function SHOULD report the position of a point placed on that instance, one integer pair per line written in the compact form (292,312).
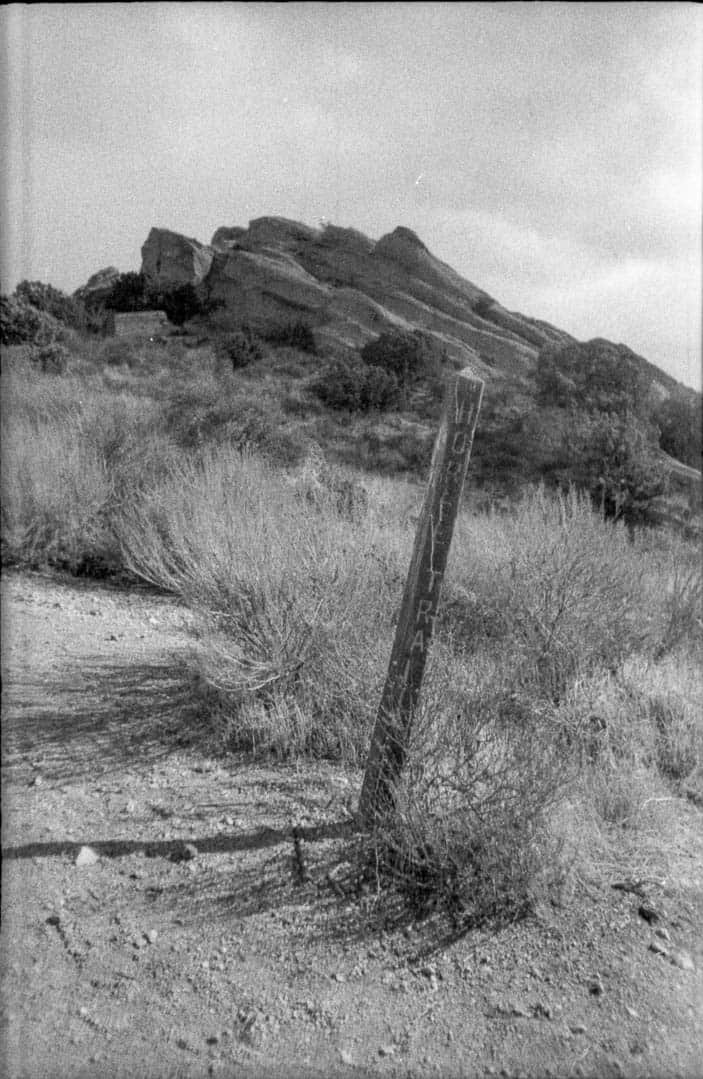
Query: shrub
(295,334)
(240,349)
(72,456)
(52,358)
(118,353)
(51,301)
(597,376)
(340,386)
(21,323)
(180,304)
(468,829)
(129,293)
(407,356)
(380,389)
(296,627)
(483,306)
(329,489)
(614,459)
(679,422)
(356,387)
(555,584)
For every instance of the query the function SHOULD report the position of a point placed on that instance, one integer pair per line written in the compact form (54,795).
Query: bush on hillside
(19,322)
(296,335)
(595,377)
(380,389)
(408,356)
(356,387)
(180,304)
(679,421)
(51,301)
(129,293)
(240,348)
(116,352)
(483,306)
(613,458)
(51,359)
(132,292)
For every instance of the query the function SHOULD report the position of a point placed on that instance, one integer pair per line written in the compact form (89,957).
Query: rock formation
(170,260)
(348,288)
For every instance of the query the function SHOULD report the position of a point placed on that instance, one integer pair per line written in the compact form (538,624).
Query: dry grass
(561,713)
(294,599)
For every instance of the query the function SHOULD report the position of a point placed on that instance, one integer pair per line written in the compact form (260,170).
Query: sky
(549,152)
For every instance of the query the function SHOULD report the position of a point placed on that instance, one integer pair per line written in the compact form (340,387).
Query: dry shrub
(559,616)
(296,612)
(668,695)
(72,454)
(636,737)
(212,407)
(554,584)
(468,829)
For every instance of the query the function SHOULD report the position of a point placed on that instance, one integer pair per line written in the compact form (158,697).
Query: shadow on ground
(102,718)
(110,717)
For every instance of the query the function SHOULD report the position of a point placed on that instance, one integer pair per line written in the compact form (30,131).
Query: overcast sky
(549,152)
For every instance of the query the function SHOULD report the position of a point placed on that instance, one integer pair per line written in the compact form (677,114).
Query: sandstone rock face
(224,238)
(348,288)
(170,260)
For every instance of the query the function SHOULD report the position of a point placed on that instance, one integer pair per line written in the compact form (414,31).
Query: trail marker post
(418,611)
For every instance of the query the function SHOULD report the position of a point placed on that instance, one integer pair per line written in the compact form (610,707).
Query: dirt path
(225,959)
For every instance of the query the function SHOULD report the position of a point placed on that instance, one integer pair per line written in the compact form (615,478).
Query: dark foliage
(240,348)
(19,323)
(357,387)
(613,458)
(679,421)
(129,293)
(296,335)
(36,313)
(483,306)
(52,301)
(408,356)
(594,377)
(180,304)
(52,358)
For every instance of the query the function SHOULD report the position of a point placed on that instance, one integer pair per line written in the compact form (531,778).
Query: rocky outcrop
(348,288)
(170,260)
(225,238)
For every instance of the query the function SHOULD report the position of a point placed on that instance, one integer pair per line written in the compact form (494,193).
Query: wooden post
(418,611)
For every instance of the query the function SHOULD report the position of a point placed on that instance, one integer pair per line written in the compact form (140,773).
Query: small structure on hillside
(138,324)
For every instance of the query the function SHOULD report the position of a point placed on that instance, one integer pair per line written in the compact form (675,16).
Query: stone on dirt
(682,960)
(86,856)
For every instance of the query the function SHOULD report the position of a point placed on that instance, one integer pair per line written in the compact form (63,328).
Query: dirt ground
(210,930)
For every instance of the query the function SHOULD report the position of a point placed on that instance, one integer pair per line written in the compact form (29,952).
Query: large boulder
(170,260)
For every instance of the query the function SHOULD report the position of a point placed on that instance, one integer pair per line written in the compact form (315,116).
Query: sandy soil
(214,933)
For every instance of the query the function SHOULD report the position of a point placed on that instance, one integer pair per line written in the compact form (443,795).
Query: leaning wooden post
(418,611)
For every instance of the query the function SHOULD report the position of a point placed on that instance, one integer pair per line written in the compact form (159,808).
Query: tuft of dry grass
(294,599)
(70,454)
